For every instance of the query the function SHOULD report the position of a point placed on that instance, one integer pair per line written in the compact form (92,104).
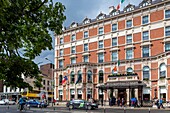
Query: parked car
(82,104)
(11,102)
(6,101)
(36,103)
(2,102)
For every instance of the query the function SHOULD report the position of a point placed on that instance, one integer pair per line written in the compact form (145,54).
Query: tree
(24,33)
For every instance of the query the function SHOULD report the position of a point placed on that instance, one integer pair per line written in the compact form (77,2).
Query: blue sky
(77,10)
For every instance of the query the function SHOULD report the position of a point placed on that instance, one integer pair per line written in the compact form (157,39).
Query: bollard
(8,106)
(124,110)
(54,108)
(69,108)
(104,110)
(149,110)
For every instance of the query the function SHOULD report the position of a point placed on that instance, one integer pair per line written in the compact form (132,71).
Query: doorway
(122,94)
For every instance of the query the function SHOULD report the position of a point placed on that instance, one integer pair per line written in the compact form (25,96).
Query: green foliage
(24,33)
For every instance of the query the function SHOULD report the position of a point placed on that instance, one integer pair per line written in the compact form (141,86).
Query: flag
(115,68)
(64,79)
(118,64)
(79,78)
(118,6)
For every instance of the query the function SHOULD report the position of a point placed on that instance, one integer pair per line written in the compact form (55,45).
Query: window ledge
(114,49)
(101,51)
(86,53)
(61,58)
(129,46)
(167,39)
(72,56)
(145,43)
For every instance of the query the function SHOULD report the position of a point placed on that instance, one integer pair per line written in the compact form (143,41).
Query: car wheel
(38,106)
(71,107)
(89,107)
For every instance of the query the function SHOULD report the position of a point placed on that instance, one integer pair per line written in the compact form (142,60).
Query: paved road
(13,109)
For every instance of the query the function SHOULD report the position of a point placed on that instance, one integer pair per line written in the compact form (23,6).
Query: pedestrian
(161,103)
(118,101)
(123,102)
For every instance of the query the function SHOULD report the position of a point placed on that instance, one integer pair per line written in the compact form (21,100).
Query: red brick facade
(155,43)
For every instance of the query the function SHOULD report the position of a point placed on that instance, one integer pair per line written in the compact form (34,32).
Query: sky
(76,11)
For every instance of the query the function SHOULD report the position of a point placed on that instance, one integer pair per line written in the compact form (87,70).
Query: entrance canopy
(122,84)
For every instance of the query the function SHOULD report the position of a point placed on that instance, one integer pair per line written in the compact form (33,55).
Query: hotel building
(138,37)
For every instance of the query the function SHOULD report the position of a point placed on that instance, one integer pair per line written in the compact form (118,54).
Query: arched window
(60,79)
(146,74)
(162,70)
(72,77)
(79,76)
(101,76)
(129,70)
(89,76)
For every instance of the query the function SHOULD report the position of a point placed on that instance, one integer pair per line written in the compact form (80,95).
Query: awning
(122,84)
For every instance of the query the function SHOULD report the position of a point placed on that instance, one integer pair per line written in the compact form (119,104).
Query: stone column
(136,94)
(128,96)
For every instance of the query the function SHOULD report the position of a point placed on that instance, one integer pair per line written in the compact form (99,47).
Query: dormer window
(129,8)
(145,3)
(114,12)
(101,16)
(74,25)
(86,21)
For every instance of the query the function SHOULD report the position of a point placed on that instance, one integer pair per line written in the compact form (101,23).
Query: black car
(81,104)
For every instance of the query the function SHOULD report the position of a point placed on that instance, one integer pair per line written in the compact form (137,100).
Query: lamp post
(52,83)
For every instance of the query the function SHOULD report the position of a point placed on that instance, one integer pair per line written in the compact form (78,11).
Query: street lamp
(52,81)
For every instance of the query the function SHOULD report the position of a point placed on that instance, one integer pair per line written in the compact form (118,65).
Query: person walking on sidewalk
(161,103)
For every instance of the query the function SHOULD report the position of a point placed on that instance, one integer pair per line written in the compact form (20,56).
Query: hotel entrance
(122,94)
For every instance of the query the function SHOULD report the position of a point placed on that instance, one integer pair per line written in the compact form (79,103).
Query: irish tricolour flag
(119,5)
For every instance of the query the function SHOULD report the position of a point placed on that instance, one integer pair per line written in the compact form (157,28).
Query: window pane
(100,31)
(61,41)
(89,77)
(86,58)
(60,63)
(167,14)
(167,46)
(86,34)
(101,77)
(85,47)
(61,52)
(145,19)
(162,70)
(114,56)
(114,27)
(145,35)
(129,39)
(167,31)
(73,49)
(129,54)
(146,73)
(101,44)
(100,57)
(128,23)
(145,51)
(114,41)
(73,37)
(73,60)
